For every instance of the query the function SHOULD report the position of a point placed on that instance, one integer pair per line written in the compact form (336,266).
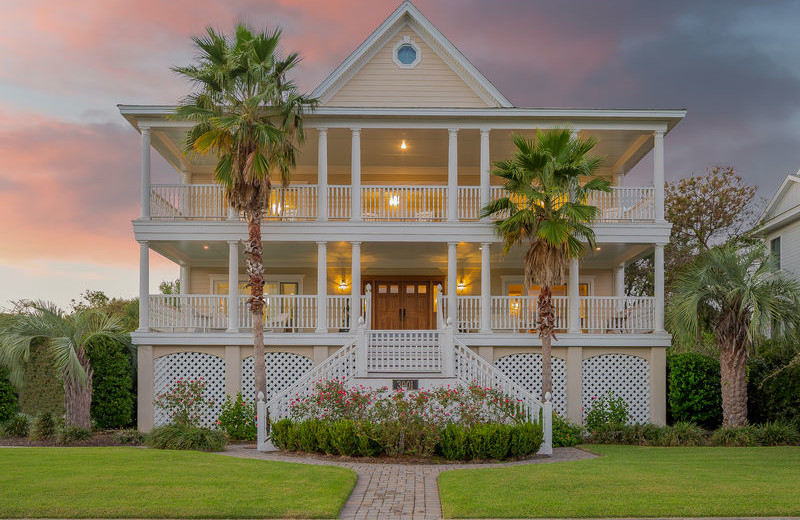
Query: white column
(658,173)
(186,273)
(145,213)
(322,175)
(233,286)
(355,286)
(452,175)
(144,286)
(486,287)
(452,283)
(619,280)
(322,287)
(485,168)
(355,176)
(574,298)
(659,287)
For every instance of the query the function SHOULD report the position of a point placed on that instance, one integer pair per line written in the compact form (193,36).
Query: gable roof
(776,211)
(407,13)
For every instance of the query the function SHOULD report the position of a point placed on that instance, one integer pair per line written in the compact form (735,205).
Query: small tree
(66,337)
(745,298)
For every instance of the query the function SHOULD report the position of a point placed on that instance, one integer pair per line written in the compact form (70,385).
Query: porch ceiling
(380,256)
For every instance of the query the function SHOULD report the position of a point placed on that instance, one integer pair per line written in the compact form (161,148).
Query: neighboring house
(383,209)
(780,225)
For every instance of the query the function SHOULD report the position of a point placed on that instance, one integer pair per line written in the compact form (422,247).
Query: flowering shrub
(184,402)
(565,432)
(607,410)
(238,418)
(370,422)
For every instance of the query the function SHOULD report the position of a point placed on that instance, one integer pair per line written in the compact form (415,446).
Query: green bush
(281,434)
(238,418)
(777,434)
(185,437)
(642,434)
(72,434)
(565,432)
(454,444)
(44,427)
(311,436)
(16,426)
(132,437)
(343,437)
(489,441)
(9,404)
(606,410)
(526,439)
(694,393)
(773,392)
(734,436)
(368,443)
(113,399)
(683,433)
(607,434)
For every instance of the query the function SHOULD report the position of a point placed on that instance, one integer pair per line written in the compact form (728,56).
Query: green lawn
(142,483)
(633,481)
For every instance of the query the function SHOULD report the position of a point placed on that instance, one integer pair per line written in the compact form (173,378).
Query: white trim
(214,278)
(411,43)
(778,196)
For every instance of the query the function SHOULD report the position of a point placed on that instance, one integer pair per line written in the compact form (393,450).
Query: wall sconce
(403,145)
(343,285)
(460,286)
(394,200)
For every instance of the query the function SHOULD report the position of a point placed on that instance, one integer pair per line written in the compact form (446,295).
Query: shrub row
(485,441)
(185,437)
(43,427)
(690,434)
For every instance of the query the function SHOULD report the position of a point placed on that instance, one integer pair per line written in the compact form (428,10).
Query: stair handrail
(340,363)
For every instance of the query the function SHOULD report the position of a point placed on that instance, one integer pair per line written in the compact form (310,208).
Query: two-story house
(379,235)
(780,225)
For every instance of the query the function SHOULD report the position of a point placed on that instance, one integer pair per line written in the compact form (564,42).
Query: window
(406,54)
(775,251)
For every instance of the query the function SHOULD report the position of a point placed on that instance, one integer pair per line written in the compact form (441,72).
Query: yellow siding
(381,83)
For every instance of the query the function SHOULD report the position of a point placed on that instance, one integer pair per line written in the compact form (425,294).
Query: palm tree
(745,298)
(548,182)
(250,116)
(67,337)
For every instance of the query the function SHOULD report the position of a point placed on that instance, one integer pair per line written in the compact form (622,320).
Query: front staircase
(377,358)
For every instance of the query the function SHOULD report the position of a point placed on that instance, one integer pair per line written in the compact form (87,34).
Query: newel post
(261,423)
(547,426)
(447,339)
(361,349)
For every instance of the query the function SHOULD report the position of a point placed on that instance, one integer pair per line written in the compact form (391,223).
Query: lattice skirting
(526,371)
(283,369)
(626,376)
(190,365)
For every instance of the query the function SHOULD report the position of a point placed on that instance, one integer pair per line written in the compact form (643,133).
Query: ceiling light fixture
(205,246)
(403,145)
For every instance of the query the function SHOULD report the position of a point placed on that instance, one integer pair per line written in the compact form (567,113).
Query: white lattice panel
(283,369)
(626,376)
(190,365)
(526,371)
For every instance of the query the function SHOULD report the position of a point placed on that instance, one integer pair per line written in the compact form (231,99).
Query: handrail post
(547,426)
(361,349)
(439,313)
(368,306)
(447,339)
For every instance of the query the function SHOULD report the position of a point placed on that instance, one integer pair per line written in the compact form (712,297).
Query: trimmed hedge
(178,437)
(773,392)
(695,394)
(9,405)
(690,434)
(485,441)
(112,384)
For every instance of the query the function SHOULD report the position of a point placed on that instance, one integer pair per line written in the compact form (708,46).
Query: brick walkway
(386,491)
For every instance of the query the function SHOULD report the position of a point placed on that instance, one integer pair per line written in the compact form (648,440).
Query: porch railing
(283,313)
(339,311)
(519,313)
(188,312)
(292,203)
(188,201)
(401,351)
(406,203)
(625,204)
(624,314)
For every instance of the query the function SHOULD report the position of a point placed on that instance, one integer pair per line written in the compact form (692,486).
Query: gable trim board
(771,217)
(407,15)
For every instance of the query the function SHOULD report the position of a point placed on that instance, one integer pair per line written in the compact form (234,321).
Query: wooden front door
(402,304)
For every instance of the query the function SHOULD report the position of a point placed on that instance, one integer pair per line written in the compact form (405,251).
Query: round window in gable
(406,54)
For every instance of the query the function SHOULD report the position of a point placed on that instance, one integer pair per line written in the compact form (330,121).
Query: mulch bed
(97,440)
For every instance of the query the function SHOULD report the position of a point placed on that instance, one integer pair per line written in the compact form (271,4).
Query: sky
(70,165)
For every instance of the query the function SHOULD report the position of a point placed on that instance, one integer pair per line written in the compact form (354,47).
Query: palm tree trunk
(78,397)
(733,372)
(255,273)
(546,326)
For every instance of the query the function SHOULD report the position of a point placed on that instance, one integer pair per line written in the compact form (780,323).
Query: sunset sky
(70,165)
